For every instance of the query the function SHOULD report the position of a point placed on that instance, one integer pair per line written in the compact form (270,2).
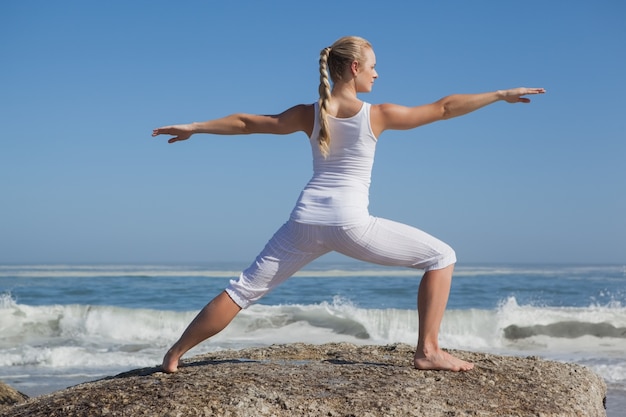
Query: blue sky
(84,83)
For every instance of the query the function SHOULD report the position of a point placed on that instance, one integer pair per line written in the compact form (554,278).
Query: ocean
(61,325)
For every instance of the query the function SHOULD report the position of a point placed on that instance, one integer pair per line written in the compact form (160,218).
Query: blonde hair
(335,59)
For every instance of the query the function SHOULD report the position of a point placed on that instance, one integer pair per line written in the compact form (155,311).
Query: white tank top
(338,192)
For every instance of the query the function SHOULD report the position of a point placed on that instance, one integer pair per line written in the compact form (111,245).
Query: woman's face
(366,72)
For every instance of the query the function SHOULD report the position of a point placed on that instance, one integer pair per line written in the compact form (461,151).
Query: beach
(66,324)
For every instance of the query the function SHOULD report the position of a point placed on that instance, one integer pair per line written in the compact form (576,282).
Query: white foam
(95,337)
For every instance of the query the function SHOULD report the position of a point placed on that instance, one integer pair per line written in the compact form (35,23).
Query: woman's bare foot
(170,362)
(440,361)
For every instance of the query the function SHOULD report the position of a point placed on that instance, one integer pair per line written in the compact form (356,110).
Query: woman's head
(343,53)
(336,63)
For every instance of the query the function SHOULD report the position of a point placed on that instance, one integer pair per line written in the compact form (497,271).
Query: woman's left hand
(180,132)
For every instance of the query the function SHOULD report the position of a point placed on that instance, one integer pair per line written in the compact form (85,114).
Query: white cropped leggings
(378,241)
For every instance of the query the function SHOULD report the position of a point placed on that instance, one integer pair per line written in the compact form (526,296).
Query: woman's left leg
(292,246)
(211,320)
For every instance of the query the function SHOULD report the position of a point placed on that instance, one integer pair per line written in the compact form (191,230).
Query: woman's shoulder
(302,110)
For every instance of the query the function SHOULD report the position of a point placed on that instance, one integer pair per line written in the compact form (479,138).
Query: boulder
(337,379)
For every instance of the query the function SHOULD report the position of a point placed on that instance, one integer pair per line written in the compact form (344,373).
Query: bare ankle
(171,361)
(427,349)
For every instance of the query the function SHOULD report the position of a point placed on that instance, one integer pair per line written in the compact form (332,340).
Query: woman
(332,211)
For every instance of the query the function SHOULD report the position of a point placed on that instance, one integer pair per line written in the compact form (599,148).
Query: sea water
(65,324)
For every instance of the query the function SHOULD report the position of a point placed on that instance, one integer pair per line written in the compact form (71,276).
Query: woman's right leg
(212,319)
(432,298)
(390,243)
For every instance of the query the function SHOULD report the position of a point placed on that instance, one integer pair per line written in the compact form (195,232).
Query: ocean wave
(55,325)
(95,271)
(134,330)
(356,270)
(85,337)
(565,329)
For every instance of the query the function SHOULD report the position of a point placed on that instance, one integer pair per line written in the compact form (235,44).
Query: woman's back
(338,192)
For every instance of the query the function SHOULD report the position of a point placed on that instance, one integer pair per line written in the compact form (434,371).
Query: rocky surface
(10,396)
(338,379)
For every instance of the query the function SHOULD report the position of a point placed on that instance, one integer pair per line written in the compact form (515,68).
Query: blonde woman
(331,213)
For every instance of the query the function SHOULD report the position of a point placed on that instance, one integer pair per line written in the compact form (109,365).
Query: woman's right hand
(514,95)
(180,132)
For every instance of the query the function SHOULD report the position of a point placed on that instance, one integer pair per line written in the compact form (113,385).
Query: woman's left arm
(295,119)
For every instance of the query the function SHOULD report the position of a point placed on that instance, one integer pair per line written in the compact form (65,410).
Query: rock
(337,379)
(9,396)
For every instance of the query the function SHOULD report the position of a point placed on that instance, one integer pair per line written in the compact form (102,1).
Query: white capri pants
(379,241)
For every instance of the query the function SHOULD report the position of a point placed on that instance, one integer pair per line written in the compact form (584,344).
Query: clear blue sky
(82,84)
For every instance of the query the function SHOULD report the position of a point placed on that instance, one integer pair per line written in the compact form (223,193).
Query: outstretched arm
(295,119)
(396,117)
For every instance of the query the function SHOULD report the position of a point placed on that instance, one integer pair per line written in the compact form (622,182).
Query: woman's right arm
(396,117)
(295,119)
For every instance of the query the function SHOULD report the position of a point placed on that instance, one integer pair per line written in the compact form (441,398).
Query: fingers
(530,91)
(535,91)
(160,131)
(515,95)
(170,130)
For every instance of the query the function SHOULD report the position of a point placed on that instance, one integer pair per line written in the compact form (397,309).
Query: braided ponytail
(334,61)
(324,91)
